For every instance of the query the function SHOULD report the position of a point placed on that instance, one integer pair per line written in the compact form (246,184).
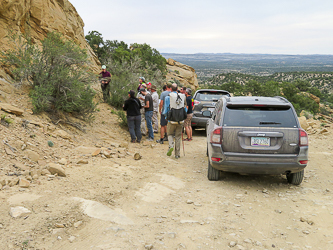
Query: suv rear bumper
(258,167)
(199,121)
(258,163)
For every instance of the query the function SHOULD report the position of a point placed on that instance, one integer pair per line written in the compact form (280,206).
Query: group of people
(175,106)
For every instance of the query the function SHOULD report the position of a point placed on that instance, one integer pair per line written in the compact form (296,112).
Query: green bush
(120,52)
(121,116)
(324,111)
(125,77)
(57,72)
(5,120)
(235,88)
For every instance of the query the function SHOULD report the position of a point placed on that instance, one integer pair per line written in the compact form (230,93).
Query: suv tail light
(303,138)
(216,136)
(196,102)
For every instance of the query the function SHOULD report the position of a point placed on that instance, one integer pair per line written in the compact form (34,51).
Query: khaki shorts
(187,122)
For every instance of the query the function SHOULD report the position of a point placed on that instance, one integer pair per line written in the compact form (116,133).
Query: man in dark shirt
(105,78)
(132,106)
(187,122)
(149,110)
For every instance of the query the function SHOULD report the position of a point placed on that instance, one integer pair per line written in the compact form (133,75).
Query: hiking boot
(160,141)
(170,152)
(133,141)
(150,139)
(177,156)
(165,139)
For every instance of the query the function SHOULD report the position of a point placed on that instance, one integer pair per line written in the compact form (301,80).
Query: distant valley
(207,64)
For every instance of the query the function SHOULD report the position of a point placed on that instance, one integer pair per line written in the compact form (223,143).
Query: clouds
(239,26)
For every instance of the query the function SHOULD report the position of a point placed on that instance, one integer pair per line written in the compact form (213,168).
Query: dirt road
(159,202)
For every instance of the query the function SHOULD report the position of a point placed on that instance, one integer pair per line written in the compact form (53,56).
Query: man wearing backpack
(175,111)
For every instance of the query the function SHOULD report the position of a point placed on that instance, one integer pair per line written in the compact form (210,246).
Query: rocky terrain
(182,74)
(37,18)
(70,184)
(88,188)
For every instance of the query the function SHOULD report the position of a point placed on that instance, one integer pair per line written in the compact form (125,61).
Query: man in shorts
(164,122)
(187,122)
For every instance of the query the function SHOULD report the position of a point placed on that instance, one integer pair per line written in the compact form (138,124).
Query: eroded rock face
(183,73)
(42,16)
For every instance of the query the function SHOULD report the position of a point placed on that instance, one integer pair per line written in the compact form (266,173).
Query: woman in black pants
(132,106)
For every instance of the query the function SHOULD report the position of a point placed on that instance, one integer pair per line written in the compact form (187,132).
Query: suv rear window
(209,95)
(259,117)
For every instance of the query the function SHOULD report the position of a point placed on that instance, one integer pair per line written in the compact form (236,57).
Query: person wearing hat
(141,97)
(155,97)
(149,109)
(142,81)
(132,107)
(105,78)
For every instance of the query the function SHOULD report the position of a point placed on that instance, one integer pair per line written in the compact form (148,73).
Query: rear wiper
(261,123)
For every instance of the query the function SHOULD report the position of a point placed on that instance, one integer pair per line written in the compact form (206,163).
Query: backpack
(177,112)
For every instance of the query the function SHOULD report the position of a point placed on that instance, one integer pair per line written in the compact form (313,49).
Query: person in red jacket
(105,78)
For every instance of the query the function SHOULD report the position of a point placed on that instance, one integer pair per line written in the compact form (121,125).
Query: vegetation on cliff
(57,72)
(126,64)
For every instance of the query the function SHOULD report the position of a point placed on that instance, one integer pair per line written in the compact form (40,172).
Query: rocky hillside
(182,74)
(38,17)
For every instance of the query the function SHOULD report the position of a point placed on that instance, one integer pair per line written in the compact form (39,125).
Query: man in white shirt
(155,97)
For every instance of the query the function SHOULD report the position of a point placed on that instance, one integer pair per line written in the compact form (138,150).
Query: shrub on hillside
(120,52)
(57,72)
(299,100)
(121,116)
(125,76)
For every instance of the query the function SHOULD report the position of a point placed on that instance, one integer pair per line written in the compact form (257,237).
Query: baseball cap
(153,87)
(103,67)
(169,84)
(142,90)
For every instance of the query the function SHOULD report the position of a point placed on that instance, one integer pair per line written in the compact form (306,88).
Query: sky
(215,26)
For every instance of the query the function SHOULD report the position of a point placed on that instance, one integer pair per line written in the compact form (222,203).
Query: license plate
(260,141)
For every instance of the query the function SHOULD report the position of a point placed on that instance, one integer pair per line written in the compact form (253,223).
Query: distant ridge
(209,64)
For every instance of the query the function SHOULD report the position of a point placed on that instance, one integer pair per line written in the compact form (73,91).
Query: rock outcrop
(183,73)
(313,97)
(39,17)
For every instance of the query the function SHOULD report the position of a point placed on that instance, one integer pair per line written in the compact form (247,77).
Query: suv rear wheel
(213,174)
(295,178)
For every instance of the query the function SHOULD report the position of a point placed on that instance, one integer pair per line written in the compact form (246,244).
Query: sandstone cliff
(40,17)
(180,72)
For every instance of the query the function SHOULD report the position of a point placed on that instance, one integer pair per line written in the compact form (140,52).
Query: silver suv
(256,135)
